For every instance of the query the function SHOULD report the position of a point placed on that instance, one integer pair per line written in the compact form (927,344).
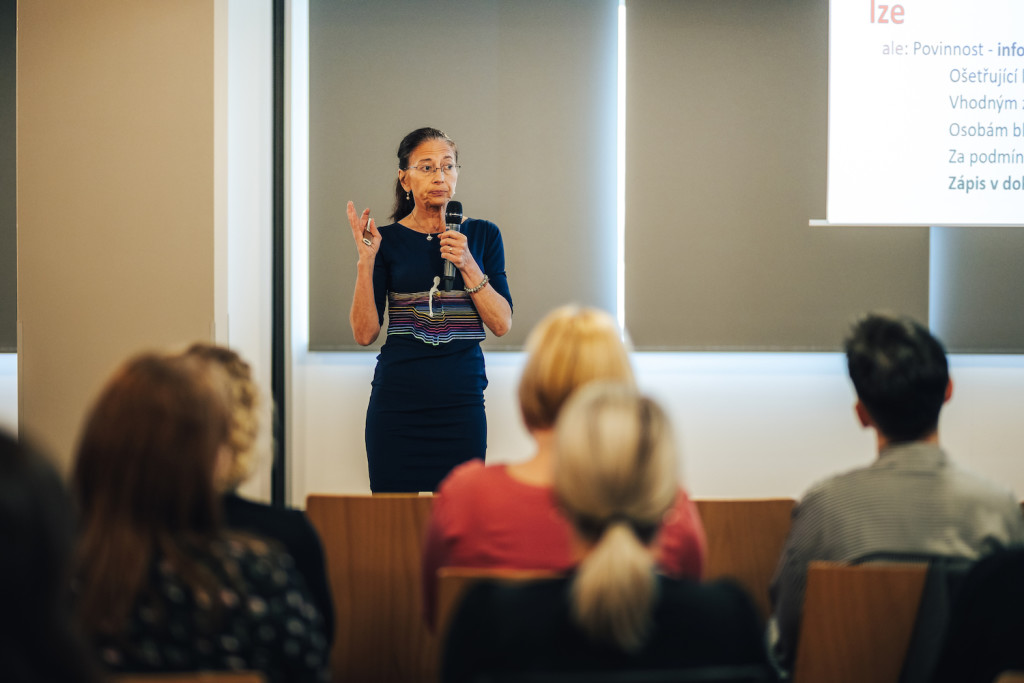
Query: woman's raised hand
(364,232)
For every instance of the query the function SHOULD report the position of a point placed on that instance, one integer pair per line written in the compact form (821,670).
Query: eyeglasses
(430,169)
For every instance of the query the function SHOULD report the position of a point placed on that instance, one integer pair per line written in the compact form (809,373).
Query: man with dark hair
(912,500)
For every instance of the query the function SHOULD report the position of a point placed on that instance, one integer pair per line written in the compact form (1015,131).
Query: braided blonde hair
(245,404)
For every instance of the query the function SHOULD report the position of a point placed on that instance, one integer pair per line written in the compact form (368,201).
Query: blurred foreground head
(615,478)
(38,638)
(245,405)
(144,476)
(569,347)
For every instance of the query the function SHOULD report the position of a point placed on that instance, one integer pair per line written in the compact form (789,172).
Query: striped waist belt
(434,317)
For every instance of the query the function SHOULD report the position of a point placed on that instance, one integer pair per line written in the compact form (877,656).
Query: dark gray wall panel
(726,135)
(8,171)
(977,289)
(527,90)
(726,163)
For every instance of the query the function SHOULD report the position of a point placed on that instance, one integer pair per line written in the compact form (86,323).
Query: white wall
(9,392)
(249,158)
(772,424)
(749,425)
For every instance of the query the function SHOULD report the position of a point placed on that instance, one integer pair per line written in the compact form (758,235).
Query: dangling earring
(407,195)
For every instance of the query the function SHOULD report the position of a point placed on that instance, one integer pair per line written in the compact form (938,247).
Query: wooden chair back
(373,547)
(857,622)
(745,539)
(195,677)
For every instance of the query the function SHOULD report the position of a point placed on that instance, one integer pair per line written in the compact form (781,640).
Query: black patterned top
(261,619)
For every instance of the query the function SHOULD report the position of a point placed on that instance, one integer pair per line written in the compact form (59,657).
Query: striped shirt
(912,499)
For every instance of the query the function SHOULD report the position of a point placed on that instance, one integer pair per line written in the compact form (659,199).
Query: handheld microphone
(453,221)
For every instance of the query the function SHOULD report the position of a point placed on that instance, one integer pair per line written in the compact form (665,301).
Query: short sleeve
(437,540)
(682,544)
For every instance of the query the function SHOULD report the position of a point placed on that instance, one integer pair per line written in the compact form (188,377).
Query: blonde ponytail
(615,477)
(614,590)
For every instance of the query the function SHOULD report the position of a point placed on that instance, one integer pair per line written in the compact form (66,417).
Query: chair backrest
(373,546)
(942,585)
(453,582)
(710,674)
(857,621)
(745,539)
(195,677)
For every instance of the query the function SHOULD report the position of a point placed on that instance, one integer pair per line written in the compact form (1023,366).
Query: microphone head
(453,213)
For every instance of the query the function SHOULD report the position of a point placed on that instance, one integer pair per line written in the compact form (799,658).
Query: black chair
(986,630)
(710,674)
(942,584)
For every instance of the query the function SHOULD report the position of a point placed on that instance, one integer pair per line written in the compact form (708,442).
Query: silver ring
(367,242)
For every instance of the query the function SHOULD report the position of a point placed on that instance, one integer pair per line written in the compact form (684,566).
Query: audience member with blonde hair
(615,479)
(505,515)
(247,433)
(161,586)
(39,639)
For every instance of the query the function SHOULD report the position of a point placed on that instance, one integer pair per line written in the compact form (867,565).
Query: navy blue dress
(426,411)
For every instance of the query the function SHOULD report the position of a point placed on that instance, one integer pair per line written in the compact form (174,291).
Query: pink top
(483,517)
